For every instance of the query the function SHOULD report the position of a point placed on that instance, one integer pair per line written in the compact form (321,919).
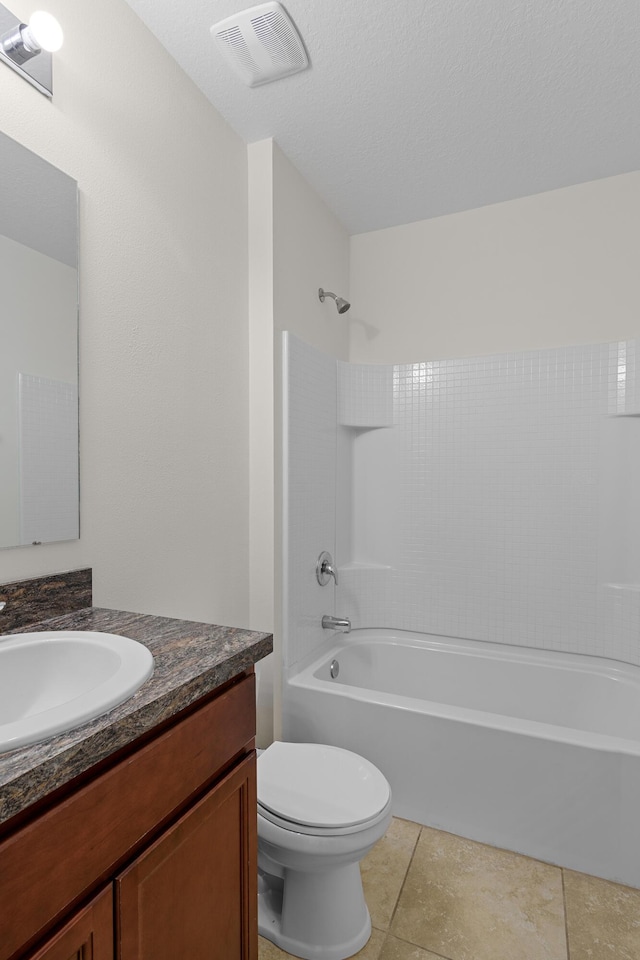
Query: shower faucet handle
(325,569)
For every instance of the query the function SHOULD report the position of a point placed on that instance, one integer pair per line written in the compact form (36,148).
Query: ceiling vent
(261,44)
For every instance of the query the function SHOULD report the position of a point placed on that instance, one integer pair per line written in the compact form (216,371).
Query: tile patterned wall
(365,395)
(501,505)
(624,378)
(498,502)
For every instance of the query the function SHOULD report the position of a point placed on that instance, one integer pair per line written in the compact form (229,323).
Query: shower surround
(489,498)
(494,500)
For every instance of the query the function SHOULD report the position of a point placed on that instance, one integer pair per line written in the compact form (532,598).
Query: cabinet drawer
(61,854)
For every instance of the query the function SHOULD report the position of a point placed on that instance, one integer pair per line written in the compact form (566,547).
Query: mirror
(39,475)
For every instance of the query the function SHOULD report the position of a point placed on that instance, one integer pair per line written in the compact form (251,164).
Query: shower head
(341,305)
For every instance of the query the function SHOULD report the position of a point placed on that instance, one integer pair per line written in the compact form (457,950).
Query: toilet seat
(319,789)
(310,831)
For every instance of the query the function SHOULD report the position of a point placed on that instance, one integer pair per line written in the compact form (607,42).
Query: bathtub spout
(343,624)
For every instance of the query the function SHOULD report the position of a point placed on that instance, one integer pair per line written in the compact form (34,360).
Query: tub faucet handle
(343,624)
(325,569)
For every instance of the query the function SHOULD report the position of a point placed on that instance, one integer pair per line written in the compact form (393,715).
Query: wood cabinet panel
(87,936)
(61,855)
(192,894)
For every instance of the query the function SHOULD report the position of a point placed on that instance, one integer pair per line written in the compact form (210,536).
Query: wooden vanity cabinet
(88,935)
(155,858)
(183,897)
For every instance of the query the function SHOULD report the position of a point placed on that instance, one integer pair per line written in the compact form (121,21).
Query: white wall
(309,527)
(296,246)
(163,319)
(260,178)
(310,250)
(549,270)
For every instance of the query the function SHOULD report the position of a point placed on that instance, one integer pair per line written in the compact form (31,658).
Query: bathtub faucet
(343,624)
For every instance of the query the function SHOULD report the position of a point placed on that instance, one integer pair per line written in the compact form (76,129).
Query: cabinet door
(193,894)
(87,936)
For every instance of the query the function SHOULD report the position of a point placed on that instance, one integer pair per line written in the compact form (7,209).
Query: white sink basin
(57,680)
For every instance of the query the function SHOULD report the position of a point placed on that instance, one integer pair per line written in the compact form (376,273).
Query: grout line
(440,956)
(564,910)
(404,880)
(388,932)
(523,856)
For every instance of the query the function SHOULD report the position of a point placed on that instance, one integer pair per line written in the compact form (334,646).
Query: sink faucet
(343,624)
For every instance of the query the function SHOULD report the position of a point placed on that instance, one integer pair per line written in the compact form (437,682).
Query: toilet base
(316,916)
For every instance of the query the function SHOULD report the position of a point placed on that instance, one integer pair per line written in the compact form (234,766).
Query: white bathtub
(533,751)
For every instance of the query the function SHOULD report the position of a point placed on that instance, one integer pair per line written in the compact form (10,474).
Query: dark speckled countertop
(190,660)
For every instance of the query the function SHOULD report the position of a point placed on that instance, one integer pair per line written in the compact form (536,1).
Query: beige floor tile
(384,869)
(370,951)
(269,951)
(401,950)
(603,919)
(466,901)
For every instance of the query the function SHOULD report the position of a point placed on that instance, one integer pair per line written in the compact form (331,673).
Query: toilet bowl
(320,810)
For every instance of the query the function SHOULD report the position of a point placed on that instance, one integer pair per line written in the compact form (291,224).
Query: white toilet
(320,810)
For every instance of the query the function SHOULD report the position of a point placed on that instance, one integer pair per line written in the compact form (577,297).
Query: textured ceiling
(418,108)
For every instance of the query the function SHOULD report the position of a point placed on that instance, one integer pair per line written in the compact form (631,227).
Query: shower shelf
(354,425)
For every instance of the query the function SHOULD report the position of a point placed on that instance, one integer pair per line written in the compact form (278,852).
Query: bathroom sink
(56,680)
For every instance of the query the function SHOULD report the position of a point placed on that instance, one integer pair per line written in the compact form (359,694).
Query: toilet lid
(319,785)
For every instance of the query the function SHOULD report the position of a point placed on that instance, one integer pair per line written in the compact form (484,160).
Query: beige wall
(260,178)
(310,250)
(553,269)
(296,245)
(163,319)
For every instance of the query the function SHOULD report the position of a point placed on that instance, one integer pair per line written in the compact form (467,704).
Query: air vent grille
(261,44)
(234,40)
(274,33)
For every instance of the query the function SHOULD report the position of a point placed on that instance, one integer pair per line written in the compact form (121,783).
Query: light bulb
(43,32)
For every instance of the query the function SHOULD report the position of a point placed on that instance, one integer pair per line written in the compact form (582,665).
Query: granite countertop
(190,660)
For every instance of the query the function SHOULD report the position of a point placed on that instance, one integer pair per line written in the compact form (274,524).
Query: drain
(334,669)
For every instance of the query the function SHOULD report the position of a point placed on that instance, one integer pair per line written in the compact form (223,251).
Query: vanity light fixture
(27,48)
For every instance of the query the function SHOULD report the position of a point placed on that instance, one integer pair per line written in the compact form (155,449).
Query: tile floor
(434,896)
